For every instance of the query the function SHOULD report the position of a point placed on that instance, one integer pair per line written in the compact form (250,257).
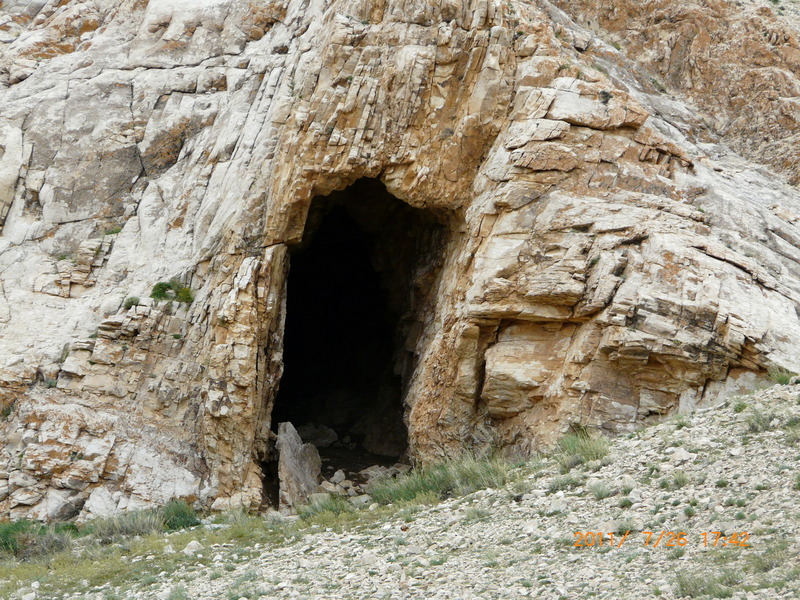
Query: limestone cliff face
(607,256)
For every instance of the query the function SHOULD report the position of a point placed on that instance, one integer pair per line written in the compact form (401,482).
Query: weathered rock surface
(609,258)
(299,467)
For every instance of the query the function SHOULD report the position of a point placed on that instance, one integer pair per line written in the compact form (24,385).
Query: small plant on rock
(601,490)
(130,302)
(172,290)
(780,375)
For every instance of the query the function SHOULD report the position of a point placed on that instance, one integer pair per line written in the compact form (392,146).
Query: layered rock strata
(608,257)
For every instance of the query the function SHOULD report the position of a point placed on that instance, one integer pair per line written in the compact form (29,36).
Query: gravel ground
(731,469)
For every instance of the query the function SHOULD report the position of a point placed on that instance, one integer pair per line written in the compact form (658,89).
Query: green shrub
(162,290)
(184,294)
(113,231)
(7,411)
(455,477)
(579,448)
(130,302)
(172,290)
(676,553)
(42,541)
(179,592)
(177,514)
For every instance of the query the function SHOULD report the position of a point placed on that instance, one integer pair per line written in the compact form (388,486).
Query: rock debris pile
(729,470)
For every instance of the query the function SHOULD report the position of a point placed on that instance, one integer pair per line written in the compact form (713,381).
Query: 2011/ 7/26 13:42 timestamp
(654,539)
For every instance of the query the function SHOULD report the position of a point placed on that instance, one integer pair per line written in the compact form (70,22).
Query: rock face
(298,467)
(603,255)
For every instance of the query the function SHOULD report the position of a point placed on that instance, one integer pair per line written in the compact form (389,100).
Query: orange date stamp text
(662,539)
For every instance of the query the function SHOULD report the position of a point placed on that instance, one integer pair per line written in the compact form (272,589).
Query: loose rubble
(730,469)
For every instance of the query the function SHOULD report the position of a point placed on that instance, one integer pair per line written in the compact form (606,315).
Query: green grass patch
(772,557)
(452,478)
(330,512)
(26,539)
(578,448)
(699,586)
(177,514)
(780,375)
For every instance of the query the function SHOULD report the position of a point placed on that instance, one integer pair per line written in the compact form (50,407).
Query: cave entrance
(358,288)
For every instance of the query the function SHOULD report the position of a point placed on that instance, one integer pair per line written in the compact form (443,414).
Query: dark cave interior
(359,284)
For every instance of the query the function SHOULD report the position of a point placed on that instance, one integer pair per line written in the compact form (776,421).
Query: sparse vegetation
(697,586)
(131,550)
(771,558)
(7,411)
(328,512)
(456,477)
(676,553)
(130,302)
(780,375)
(579,448)
(759,421)
(563,482)
(658,85)
(601,490)
(127,524)
(172,290)
(177,514)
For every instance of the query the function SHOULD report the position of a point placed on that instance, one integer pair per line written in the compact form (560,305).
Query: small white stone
(192,548)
